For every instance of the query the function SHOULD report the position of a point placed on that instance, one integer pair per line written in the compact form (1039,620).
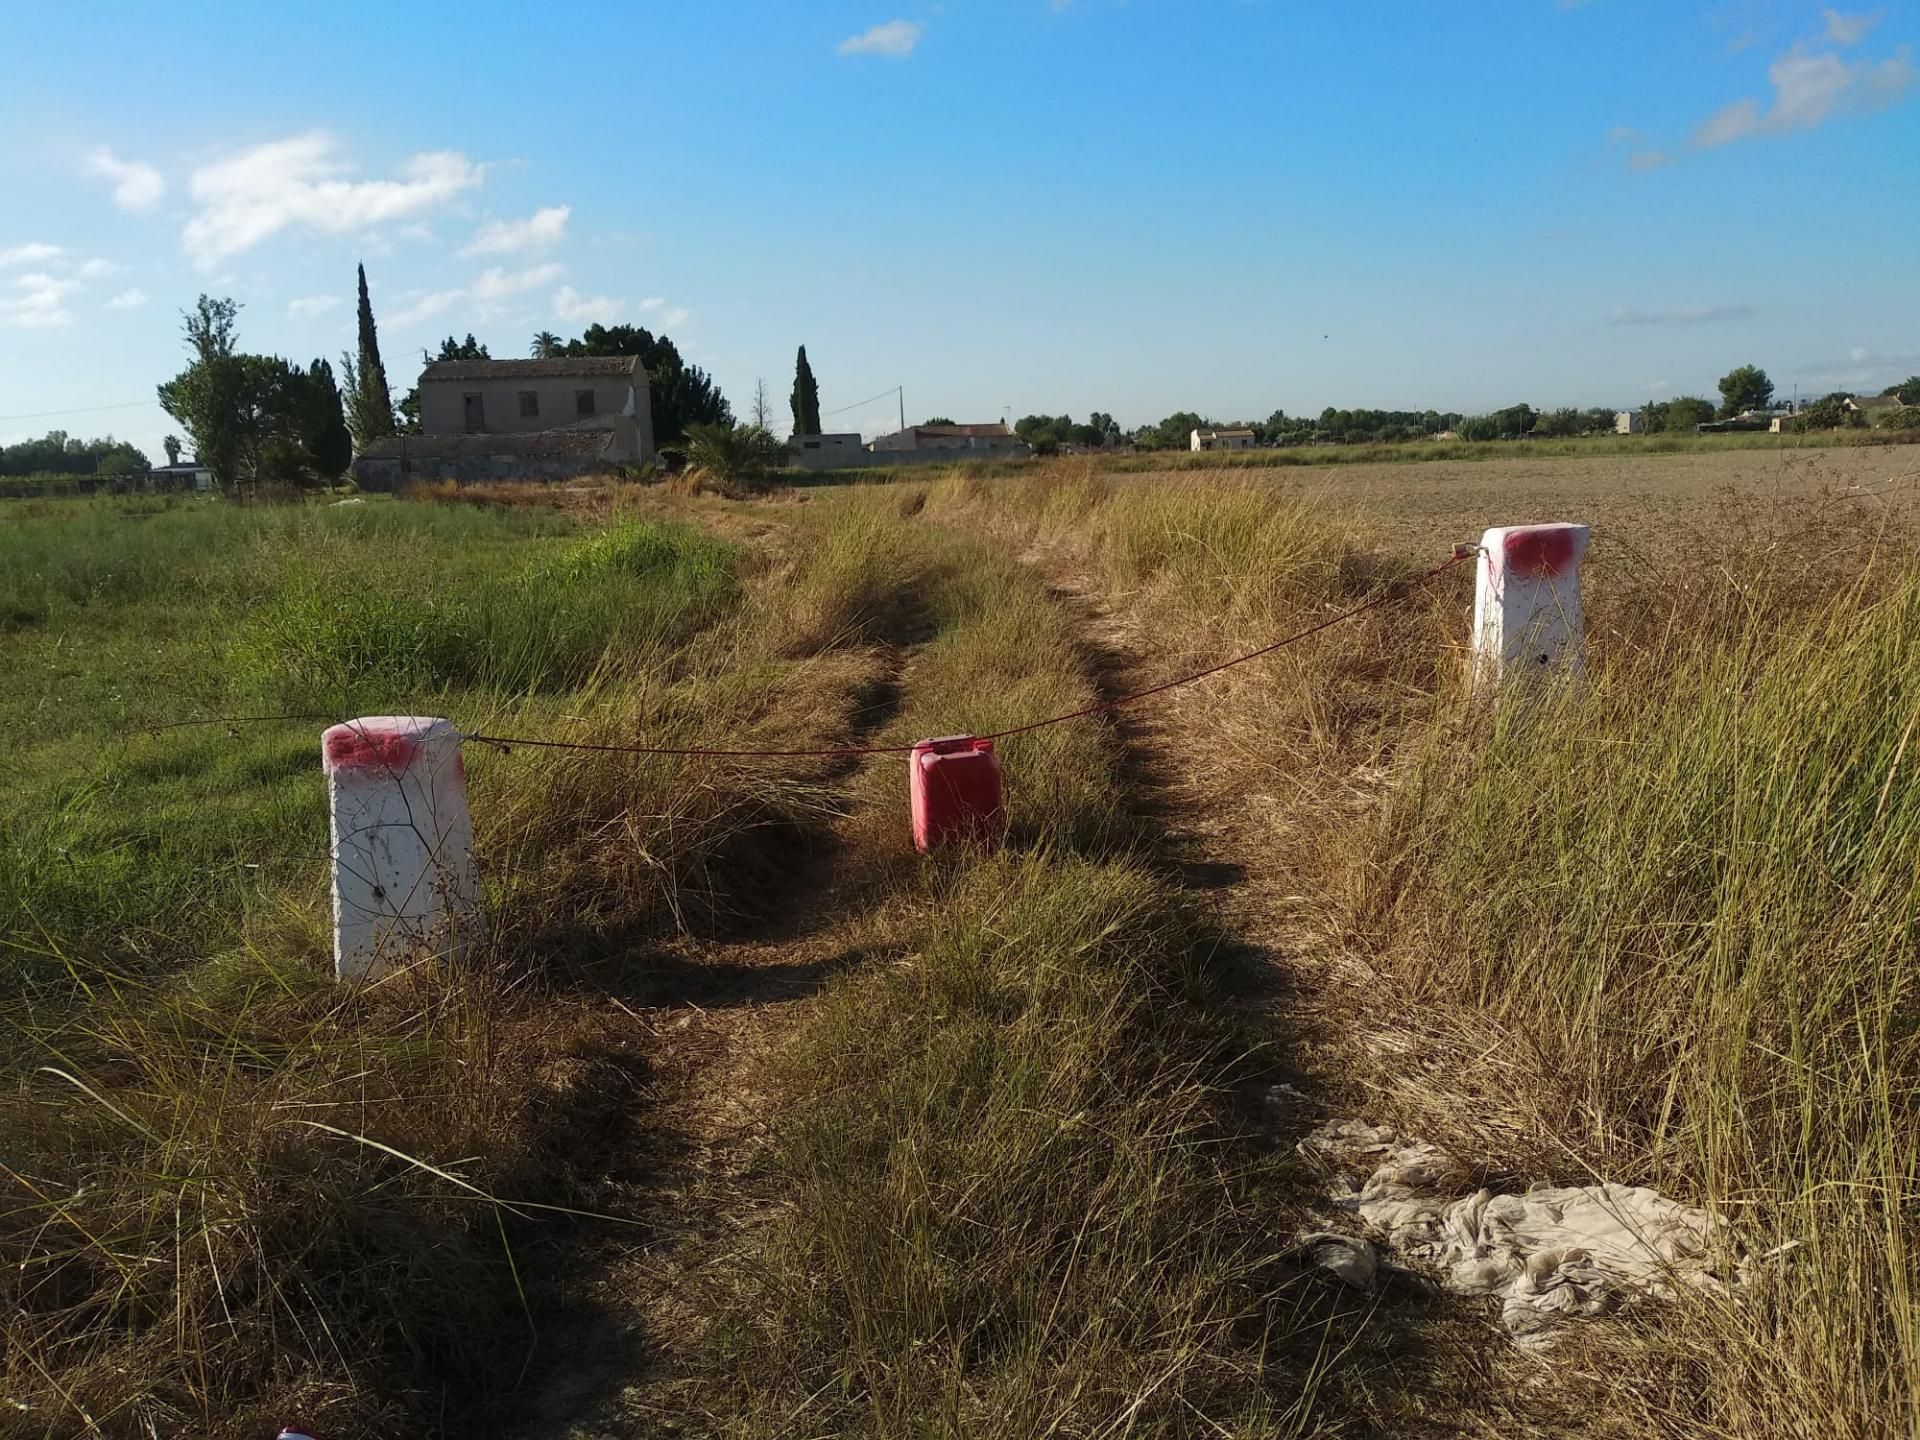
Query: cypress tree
(374,403)
(806,397)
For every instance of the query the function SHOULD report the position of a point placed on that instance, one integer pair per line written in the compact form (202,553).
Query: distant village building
(1220,440)
(1629,422)
(827,452)
(515,419)
(1873,405)
(979,441)
(181,475)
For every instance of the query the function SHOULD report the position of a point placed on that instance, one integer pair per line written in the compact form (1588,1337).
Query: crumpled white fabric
(1549,1255)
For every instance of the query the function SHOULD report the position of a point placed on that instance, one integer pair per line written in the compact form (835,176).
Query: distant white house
(1220,440)
(1873,406)
(1629,422)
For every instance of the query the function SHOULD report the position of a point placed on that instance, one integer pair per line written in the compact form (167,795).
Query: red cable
(1391,593)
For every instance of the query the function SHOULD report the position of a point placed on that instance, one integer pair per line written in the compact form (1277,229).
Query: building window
(529,404)
(583,402)
(474,412)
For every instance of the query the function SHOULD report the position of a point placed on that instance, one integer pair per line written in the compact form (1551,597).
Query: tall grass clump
(1692,889)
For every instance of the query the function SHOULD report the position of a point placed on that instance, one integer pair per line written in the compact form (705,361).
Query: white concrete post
(404,886)
(1526,602)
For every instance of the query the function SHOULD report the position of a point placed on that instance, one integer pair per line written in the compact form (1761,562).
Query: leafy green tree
(1685,413)
(1172,433)
(58,453)
(681,394)
(1830,413)
(1908,390)
(369,401)
(322,422)
(1045,433)
(547,345)
(805,401)
(467,349)
(1746,388)
(172,446)
(206,397)
(937,420)
(1109,428)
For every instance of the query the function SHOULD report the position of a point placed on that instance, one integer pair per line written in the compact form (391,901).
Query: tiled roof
(563,368)
(964,431)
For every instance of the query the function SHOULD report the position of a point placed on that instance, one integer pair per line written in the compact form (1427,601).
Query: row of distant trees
(58,453)
(1744,389)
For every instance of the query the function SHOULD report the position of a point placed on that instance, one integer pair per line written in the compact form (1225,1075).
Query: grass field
(748,1122)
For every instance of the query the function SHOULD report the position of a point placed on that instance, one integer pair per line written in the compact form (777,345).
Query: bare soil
(1652,502)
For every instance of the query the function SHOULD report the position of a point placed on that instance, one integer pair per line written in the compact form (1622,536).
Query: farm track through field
(630,1299)
(1407,1361)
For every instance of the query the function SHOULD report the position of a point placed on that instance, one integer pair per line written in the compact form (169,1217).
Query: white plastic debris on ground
(1548,1255)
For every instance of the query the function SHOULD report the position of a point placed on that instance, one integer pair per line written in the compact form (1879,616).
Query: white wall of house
(555,403)
(826,452)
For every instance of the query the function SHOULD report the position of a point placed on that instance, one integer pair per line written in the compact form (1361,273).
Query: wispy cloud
(303,183)
(1807,90)
(1849,29)
(98,269)
(895,38)
(308,306)
(129,299)
(668,317)
(1644,160)
(38,301)
(34,252)
(570,304)
(1680,315)
(541,230)
(136,186)
(483,295)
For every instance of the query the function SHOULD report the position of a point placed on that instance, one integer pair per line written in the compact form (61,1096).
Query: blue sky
(1134,206)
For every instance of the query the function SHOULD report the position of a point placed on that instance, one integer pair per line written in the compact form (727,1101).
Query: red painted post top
(953,786)
(1539,552)
(357,747)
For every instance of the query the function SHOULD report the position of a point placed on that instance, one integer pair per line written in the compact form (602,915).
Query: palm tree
(546,345)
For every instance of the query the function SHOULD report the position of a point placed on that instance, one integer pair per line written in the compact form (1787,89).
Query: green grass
(231,1192)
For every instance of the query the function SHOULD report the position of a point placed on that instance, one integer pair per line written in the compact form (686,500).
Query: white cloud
(1644,160)
(542,230)
(40,303)
(483,294)
(308,306)
(1857,354)
(422,307)
(570,304)
(129,299)
(896,38)
(1680,315)
(497,284)
(98,269)
(1808,90)
(668,318)
(302,183)
(1849,29)
(34,252)
(136,187)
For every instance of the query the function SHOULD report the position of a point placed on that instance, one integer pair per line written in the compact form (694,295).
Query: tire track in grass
(1407,1360)
(702,1007)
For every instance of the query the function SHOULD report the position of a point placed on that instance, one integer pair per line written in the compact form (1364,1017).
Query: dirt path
(1405,1360)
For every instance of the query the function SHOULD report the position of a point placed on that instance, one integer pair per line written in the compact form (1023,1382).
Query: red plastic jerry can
(954,787)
